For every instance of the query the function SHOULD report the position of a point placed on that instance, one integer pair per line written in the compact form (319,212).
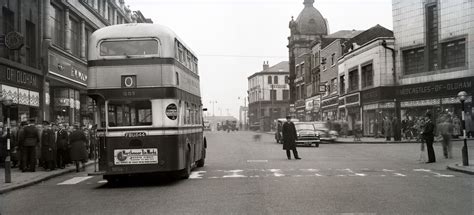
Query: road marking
(234,174)
(422,170)
(277,172)
(102,181)
(399,174)
(197,174)
(75,180)
(257,161)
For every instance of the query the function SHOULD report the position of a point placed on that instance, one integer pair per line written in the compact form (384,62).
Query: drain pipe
(395,84)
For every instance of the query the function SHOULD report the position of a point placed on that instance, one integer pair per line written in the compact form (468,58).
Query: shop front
(329,108)
(439,97)
(377,104)
(300,108)
(66,91)
(23,88)
(313,108)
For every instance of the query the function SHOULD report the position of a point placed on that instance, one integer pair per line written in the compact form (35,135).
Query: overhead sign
(322,88)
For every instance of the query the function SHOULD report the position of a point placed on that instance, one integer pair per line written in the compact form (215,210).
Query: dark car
(306,134)
(325,133)
(279,124)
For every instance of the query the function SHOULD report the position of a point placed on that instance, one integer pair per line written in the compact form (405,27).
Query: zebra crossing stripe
(75,180)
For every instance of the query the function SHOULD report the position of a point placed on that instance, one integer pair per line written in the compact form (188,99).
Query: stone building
(269,95)
(435,54)
(309,27)
(46,77)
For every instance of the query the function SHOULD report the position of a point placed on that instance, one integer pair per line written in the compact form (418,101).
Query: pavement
(24,179)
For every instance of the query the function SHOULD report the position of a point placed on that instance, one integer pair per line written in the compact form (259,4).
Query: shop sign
(68,69)
(19,78)
(352,99)
(436,88)
(300,103)
(309,104)
(329,102)
(370,107)
(377,94)
(317,104)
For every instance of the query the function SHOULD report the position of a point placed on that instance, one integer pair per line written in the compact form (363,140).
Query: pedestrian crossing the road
(293,173)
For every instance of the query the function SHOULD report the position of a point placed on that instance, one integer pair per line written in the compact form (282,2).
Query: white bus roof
(165,34)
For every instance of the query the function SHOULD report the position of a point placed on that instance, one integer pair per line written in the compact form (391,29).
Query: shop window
(367,76)
(353,80)
(454,54)
(413,61)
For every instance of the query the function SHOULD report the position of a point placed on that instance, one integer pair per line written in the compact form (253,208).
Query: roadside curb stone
(40,179)
(458,167)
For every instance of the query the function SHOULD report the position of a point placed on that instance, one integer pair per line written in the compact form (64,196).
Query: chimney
(265,65)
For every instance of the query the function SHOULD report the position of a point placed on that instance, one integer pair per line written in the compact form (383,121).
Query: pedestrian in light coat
(78,140)
(289,137)
(445,129)
(48,147)
(387,126)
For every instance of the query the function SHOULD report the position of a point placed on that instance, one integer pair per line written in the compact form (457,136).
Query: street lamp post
(213,102)
(7,102)
(465,157)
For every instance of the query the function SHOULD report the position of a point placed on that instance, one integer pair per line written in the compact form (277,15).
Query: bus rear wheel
(186,172)
(200,163)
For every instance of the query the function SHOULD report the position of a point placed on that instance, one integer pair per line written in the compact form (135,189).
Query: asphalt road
(243,176)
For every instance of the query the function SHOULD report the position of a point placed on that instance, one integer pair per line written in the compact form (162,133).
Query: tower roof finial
(308,3)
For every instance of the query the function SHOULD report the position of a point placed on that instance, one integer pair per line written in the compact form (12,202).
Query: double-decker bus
(145,84)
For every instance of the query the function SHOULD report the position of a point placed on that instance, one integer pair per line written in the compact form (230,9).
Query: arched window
(275,80)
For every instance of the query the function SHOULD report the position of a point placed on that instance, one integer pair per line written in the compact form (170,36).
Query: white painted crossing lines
(75,180)
(305,173)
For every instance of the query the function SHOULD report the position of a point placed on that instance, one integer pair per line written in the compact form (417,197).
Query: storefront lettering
(436,88)
(22,78)
(78,74)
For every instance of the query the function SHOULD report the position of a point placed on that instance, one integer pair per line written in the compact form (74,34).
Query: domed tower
(309,27)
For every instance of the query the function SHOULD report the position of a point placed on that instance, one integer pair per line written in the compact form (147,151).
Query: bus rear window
(129,47)
(129,113)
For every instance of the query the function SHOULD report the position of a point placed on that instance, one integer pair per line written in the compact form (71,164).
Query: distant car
(325,133)
(306,134)
(279,124)
(207,126)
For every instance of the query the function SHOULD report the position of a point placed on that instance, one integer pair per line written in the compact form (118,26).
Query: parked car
(306,134)
(279,124)
(325,133)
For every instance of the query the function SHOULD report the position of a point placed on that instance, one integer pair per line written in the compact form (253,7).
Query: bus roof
(136,30)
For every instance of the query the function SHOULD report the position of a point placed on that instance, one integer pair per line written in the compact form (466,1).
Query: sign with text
(129,81)
(436,89)
(68,69)
(135,156)
(19,78)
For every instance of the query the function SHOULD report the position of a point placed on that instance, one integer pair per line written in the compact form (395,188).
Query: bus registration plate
(135,156)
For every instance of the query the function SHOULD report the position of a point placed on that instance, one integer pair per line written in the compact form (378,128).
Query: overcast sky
(232,38)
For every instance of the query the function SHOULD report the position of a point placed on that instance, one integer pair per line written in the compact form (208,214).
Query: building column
(83,40)
(44,55)
(106,10)
(114,18)
(67,24)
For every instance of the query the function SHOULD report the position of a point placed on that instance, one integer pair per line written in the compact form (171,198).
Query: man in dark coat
(289,137)
(78,140)
(30,140)
(62,142)
(428,136)
(48,147)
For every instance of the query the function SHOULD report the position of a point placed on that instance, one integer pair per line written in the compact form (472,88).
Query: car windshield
(320,126)
(304,127)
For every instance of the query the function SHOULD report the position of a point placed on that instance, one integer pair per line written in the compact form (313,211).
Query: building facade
(269,95)
(46,77)
(435,55)
(309,27)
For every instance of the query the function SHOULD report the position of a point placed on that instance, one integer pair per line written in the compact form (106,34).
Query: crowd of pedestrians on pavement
(47,145)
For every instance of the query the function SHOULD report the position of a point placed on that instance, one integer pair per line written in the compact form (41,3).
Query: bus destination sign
(135,156)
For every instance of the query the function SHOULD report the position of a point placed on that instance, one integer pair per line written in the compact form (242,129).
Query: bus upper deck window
(129,47)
